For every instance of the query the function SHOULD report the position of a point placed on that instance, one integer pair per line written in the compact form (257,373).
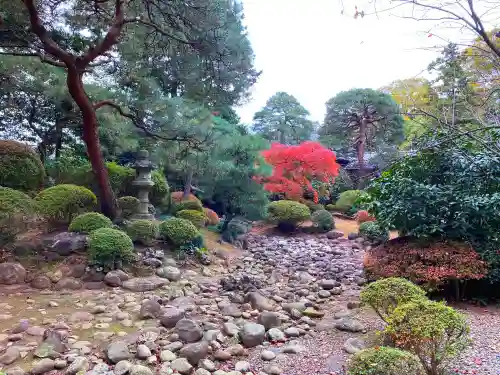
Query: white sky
(308,49)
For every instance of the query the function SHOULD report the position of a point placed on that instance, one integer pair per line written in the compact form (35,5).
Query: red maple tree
(296,167)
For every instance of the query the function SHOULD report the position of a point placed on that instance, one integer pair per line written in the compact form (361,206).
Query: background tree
(363,119)
(283,119)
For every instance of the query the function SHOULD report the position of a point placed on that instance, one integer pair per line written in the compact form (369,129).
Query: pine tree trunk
(187,184)
(361,144)
(91,139)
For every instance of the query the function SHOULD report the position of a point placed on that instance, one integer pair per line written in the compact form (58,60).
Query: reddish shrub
(363,216)
(212,217)
(432,264)
(177,197)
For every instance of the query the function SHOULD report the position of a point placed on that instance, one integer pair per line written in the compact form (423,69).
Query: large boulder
(69,283)
(188,330)
(66,243)
(170,317)
(194,352)
(144,284)
(41,282)
(252,334)
(169,272)
(12,273)
(349,325)
(115,278)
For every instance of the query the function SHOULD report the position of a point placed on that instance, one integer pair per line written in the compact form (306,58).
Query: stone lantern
(144,184)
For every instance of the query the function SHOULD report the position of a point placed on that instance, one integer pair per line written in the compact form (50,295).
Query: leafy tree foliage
(283,119)
(363,119)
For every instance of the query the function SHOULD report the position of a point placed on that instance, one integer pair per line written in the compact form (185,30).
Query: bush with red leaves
(432,264)
(363,216)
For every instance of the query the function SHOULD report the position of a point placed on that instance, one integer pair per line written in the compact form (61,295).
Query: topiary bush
(88,222)
(61,203)
(128,206)
(323,221)
(346,200)
(433,264)
(178,231)
(431,330)
(188,205)
(385,295)
(20,167)
(143,231)
(371,231)
(384,361)
(287,214)
(198,218)
(110,247)
(16,211)
(330,207)
(212,217)
(313,207)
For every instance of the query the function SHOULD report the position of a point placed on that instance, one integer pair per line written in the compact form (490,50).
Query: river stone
(354,345)
(144,284)
(242,366)
(150,309)
(182,366)
(65,243)
(118,351)
(201,371)
(10,355)
(115,278)
(12,273)
(79,365)
(259,302)
(69,283)
(252,334)
(140,370)
(169,272)
(299,306)
(267,355)
(349,325)
(81,316)
(122,367)
(16,370)
(143,352)
(42,366)
(167,356)
(313,313)
(170,316)
(194,352)
(41,282)
(276,334)
(292,332)
(269,319)
(188,330)
(230,329)
(222,355)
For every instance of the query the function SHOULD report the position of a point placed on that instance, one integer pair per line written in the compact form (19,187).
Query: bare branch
(42,58)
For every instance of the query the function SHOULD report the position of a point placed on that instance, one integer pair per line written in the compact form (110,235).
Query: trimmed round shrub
(198,218)
(287,214)
(371,231)
(61,203)
(128,205)
(212,217)
(323,220)
(178,196)
(178,231)
(346,200)
(16,209)
(384,361)
(431,330)
(313,207)
(20,167)
(385,295)
(143,231)
(188,205)
(110,247)
(88,222)
(330,207)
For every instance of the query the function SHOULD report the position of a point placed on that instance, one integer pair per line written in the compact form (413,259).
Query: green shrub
(20,167)
(346,200)
(61,203)
(287,214)
(431,330)
(323,220)
(188,205)
(386,294)
(198,218)
(372,231)
(16,210)
(160,191)
(313,207)
(330,207)
(88,222)
(236,227)
(178,231)
(384,361)
(110,247)
(128,205)
(143,231)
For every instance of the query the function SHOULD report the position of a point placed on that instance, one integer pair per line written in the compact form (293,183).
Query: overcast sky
(308,49)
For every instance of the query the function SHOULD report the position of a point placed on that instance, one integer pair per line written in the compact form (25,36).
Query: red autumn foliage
(295,167)
(177,197)
(363,216)
(212,217)
(432,264)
